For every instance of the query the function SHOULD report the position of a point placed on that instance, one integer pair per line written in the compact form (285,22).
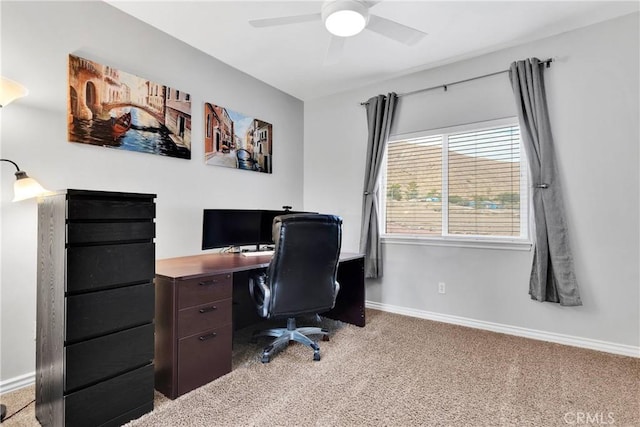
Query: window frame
(522,242)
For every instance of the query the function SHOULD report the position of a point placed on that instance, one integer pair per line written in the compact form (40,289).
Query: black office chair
(301,278)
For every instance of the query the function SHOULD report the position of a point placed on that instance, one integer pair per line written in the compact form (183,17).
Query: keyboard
(257,253)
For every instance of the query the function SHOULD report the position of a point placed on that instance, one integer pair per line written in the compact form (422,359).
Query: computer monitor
(238,227)
(230,227)
(266,224)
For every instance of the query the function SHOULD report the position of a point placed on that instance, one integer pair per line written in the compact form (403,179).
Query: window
(462,183)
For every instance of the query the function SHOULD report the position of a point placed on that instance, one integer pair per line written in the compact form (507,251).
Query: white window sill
(467,242)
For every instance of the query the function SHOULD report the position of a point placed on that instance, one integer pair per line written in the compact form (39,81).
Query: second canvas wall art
(114,109)
(234,140)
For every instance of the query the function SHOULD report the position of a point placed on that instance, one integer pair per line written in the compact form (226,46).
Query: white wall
(36,41)
(593,96)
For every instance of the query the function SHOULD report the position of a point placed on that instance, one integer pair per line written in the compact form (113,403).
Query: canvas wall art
(234,140)
(114,109)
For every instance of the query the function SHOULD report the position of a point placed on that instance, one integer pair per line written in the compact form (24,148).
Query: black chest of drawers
(95,308)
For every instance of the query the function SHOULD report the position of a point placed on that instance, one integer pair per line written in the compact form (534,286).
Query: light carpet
(403,371)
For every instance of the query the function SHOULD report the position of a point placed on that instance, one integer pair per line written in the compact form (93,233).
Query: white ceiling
(291,57)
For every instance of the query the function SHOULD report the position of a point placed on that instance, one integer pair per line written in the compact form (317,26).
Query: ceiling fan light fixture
(345,18)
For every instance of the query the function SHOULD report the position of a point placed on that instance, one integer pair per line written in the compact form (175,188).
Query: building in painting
(219,130)
(248,140)
(141,92)
(262,142)
(113,90)
(177,116)
(155,97)
(85,79)
(92,87)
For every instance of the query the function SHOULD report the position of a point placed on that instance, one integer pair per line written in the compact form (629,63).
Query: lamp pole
(10,91)
(3,408)
(12,162)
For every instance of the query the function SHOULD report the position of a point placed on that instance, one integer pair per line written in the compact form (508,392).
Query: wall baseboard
(605,346)
(17,383)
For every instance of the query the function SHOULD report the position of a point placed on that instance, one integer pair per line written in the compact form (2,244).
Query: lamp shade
(10,91)
(26,188)
(345,18)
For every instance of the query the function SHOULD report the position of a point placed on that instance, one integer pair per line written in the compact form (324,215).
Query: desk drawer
(203,357)
(207,316)
(200,291)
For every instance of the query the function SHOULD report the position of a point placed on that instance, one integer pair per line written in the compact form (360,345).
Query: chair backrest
(302,273)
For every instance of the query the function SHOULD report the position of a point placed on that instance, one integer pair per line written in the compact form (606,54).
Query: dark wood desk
(202,299)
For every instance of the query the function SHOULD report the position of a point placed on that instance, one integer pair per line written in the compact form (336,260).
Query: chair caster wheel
(316,356)
(325,338)
(265,359)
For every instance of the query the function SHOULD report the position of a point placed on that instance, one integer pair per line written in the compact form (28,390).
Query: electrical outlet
(441,288)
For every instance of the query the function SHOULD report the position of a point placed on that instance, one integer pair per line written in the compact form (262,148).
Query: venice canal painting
(114,109)
(234,140)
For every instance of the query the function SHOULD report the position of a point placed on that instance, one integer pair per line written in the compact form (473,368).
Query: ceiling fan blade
(371,3)
(334,52)
(284,20)
(394,30)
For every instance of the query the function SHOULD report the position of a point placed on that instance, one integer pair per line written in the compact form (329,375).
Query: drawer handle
(208,336)
(208,309)
(208,282)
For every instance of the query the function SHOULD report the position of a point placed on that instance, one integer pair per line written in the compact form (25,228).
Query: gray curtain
(380,110)
(552,275)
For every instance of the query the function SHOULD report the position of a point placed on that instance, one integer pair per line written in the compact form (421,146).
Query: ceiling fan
(346,18)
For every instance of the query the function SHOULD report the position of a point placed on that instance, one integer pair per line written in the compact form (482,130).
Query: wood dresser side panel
(50,313)
(166,346)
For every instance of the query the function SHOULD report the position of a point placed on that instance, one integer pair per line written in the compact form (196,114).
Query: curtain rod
(445,86)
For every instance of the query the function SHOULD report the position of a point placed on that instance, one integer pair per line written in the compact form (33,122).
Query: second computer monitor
(266,224)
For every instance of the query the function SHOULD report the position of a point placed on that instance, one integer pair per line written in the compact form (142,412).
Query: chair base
(283,336)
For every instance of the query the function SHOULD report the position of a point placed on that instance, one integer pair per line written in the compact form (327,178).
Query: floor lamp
(24,187)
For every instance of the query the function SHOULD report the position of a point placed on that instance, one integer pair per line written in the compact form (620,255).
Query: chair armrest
(260,293)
